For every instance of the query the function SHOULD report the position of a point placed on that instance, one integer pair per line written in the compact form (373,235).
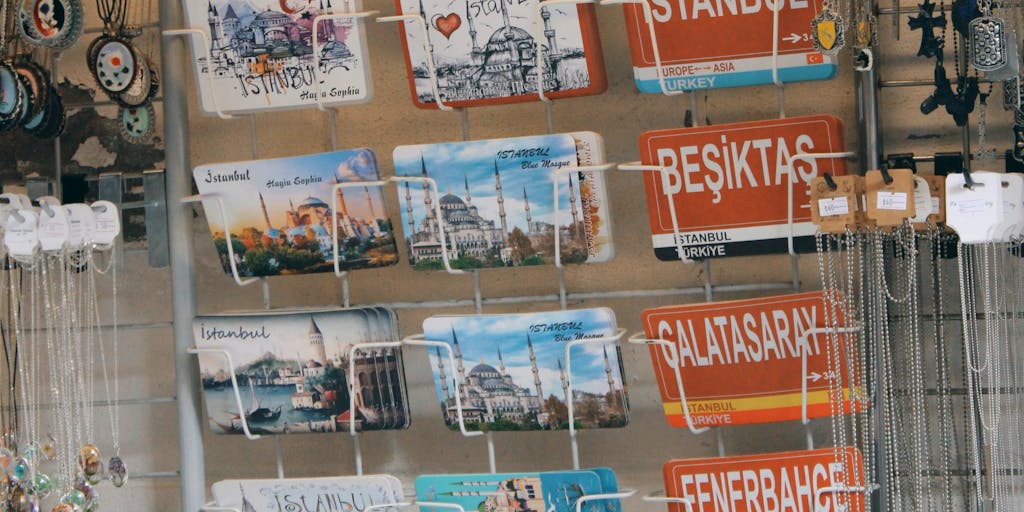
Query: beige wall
(620,115)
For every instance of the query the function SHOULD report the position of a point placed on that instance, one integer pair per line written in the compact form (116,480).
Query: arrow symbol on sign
(814,377)
(792,38)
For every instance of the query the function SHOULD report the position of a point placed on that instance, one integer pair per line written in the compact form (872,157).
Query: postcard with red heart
(484,52)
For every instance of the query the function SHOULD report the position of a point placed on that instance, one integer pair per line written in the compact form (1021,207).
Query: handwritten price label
(892,200)
(830,207)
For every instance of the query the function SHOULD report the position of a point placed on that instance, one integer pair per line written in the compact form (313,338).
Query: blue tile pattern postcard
(555,491)
(510,371)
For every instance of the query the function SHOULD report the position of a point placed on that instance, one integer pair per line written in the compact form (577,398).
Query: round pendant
(87,490)
(74,497)
(21,501)
(138,92)
(38,81)
(20,470)
(6,458)
(138,123)
(115,65)
(42,485)
(118,471)
(27,22)
(58,23)
(50,448)
(11,91)
(65,507)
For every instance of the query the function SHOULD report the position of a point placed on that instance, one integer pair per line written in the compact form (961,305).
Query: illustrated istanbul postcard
(487,51)
(282,213)
(262,55)
(498,201)
(293,373)
(510,371)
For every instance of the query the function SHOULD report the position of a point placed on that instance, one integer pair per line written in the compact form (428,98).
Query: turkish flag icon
(815,58)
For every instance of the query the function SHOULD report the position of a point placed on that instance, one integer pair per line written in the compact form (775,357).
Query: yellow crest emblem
(826,33)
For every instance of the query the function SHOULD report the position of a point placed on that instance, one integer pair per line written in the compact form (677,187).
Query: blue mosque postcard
(479,52)
(293,372)
(275,54)
(509,372)
(283,215)
(497,203)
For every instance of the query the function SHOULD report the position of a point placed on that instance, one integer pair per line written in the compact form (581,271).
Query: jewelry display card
(707,45)
(263,56)
(487,52)
(728,185)
(529,387)
(281,213)
(553,491)
(292,370)
(333,493)
(505,215)
(777,481)
(741,361)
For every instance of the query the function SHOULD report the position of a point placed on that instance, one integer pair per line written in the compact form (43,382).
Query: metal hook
(886,177)
(830,182)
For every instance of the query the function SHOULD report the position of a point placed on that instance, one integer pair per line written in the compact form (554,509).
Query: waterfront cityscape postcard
(281,213)
(509,372)
(293,372)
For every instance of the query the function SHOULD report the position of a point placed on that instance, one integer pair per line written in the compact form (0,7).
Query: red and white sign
(707,44)
(801,481)
(741,361)
(729,184)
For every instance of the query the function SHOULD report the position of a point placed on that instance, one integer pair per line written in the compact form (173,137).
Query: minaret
(608,373)
(572,204)
(426,21)
(565,380)
(428,202)
(533,366)
(501,363)
(501,199)
(469,199)
(444,378)
(293,214)
(214,19)
(458,358)
(529,219)
(408,210)
(549,33)
(266,216)
(369,202)
(344,221)
(477,51)
(316,339)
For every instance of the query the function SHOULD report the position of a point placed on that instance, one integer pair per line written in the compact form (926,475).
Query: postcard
(282,212)
(510,371)
(293,372)
(262,54)
(487,52)
(350,493)
(498,201)
(556,491)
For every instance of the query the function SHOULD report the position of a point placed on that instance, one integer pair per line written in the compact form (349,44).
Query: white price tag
(974,212)
(54,228)
(832,206)
(892,200)
(22,234)
(108,222)
(83,224)
(922,200)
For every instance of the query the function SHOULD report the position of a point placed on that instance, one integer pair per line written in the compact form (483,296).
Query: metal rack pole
(179,227)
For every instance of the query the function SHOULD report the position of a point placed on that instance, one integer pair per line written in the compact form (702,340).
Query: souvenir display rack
(179,191)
